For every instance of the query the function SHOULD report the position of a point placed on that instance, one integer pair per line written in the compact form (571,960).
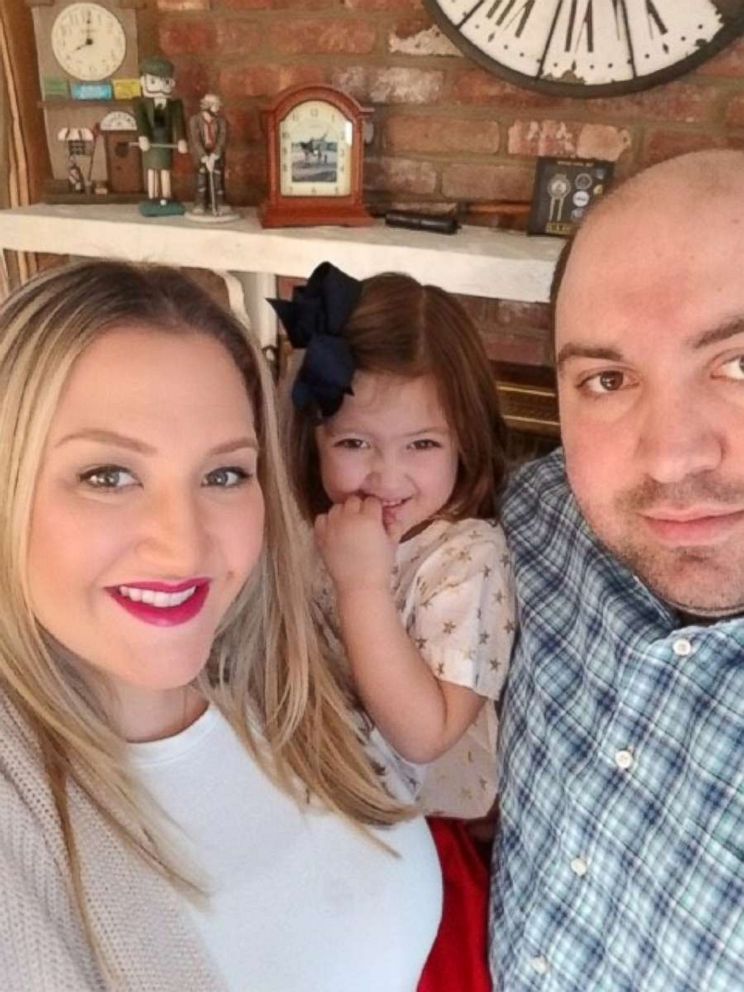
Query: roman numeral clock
(589,48)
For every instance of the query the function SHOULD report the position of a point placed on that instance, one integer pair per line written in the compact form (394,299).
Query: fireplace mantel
(476,261)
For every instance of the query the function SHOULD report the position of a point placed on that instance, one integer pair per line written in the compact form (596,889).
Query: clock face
(88,41)
(315,140)
(589,47)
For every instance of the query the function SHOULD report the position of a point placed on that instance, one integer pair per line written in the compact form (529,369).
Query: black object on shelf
(414,221)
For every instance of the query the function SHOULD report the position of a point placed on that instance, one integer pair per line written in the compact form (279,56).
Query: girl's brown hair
(402,328)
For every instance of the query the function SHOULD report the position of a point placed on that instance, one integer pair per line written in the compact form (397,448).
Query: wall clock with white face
(588,48)
(88,41)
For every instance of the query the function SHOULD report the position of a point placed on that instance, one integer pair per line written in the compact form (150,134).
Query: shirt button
(539,965)
(579,867)
(682,647)
(624,759)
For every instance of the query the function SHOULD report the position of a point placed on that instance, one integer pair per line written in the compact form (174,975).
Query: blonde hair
(265,669)
(402,328)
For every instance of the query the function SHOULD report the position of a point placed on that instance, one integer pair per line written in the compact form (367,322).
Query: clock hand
(624,8)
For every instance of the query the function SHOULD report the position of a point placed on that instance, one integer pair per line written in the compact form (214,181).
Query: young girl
(397,455)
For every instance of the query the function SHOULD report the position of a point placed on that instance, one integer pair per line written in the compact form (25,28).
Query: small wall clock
(315,158)
(589,48)
(88,41)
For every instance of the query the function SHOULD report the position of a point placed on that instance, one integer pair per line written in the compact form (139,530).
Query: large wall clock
(589,48)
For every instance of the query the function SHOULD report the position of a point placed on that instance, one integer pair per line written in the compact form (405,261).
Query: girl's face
(147,517)
(390,440)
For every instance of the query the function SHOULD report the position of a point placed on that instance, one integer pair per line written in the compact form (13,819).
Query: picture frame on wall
(564,190)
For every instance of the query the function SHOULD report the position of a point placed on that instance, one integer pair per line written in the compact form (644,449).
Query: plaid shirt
(620,865)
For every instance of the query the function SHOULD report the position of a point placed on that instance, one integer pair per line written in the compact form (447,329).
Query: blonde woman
(184,801)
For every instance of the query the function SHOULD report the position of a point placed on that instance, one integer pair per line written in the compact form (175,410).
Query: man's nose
(678,436)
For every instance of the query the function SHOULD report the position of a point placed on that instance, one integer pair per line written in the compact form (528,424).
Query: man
(160,127)
(620,864)
(208,137)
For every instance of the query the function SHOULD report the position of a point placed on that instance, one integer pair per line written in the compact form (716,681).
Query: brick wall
(445,131)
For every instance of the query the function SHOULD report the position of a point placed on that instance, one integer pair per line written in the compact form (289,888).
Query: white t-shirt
(298,899)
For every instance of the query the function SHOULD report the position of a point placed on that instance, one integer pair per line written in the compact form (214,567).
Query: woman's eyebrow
(124,441)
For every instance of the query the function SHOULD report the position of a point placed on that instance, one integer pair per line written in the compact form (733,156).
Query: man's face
(650,346)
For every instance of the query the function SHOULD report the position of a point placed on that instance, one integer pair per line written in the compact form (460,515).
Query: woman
(184,800)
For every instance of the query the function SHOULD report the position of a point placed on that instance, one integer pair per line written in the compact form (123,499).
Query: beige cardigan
(138,919)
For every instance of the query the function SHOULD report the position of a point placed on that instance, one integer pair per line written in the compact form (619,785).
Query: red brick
(464,181)
(317,37)
(238,37)
(662,143)
(244,125)
(439,135)
(266,80)
(368,6)
(193,80)
(400,176)
(274,4)
(182,5)
(728,63)
(418,36)
(682,102)
(572,138)
(735,111)
(187,36)
(394,85)
(479,86)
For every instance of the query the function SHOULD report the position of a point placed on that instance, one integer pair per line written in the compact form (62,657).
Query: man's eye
(604,382)
(108,477)
(733,369)
(227,477)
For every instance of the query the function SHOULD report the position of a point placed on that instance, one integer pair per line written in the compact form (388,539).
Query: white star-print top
(453,589)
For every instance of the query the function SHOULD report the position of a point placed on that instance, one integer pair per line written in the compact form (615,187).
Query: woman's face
(147,517)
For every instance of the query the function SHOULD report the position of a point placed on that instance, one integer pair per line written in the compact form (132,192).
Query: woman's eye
(604,382)
(108,477)
(733,369)
(425,444)
(227,477)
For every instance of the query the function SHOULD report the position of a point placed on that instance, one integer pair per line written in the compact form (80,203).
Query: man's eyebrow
(572,350)
(718,334)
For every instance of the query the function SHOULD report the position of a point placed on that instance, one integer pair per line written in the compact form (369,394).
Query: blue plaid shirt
(620,864)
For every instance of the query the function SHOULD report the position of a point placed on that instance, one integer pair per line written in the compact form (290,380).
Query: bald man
(620,863)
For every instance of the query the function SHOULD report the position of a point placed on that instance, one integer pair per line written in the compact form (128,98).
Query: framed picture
(564,189)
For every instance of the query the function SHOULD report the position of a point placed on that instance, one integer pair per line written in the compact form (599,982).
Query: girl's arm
(418,714)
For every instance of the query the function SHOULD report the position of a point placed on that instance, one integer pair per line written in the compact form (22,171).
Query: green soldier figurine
(161,128)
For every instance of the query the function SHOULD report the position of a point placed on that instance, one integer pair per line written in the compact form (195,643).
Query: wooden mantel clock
(315,159)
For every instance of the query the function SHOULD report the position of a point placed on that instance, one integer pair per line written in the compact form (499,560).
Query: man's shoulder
(538,488)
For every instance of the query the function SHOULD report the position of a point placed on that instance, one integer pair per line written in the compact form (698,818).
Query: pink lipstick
(162,604)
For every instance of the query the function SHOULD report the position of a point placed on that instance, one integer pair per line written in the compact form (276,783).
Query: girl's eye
(604,382)
(351,443)
(227,477)
(425,444)
(733,369)
(108,477)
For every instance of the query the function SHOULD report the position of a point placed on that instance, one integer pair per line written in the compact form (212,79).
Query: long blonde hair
(265,670)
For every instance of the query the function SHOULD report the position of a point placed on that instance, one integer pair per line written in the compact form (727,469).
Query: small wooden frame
(314,179)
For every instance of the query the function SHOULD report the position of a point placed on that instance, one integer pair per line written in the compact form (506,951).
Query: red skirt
(458,961)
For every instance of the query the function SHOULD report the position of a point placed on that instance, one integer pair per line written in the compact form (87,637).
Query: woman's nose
(174,534)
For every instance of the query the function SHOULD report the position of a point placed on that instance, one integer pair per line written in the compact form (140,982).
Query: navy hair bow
(314,319)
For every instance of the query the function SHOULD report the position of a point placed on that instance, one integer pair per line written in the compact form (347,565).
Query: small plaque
(55,88)
(564,189)
(91,91)
(126,89)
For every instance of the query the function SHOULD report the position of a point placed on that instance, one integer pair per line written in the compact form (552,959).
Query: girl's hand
(358,551)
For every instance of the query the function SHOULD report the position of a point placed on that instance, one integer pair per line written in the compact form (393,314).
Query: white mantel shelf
(475,261)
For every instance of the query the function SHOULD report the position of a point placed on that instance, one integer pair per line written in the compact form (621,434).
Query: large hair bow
(314,319)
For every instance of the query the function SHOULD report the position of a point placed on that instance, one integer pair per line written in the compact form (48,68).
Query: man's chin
(688,580)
